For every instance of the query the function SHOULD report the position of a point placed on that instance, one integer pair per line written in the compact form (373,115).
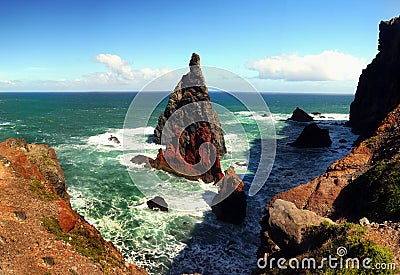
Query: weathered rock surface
(287,226)
(321,194)
(233,208)
(362,183)
(378,90)
(187,151)
(30,160)
(39,231)
(312,136)
(158,203)
(300,116)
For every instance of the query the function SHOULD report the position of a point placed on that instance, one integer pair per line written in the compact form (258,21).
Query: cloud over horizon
(326,66)
(121,72)
(119,76)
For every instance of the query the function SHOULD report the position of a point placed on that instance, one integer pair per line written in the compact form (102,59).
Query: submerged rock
(300,116)
(158,203)
(233,208)
(378,90)
(313,136)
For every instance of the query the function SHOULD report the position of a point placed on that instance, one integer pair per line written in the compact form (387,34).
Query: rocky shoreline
(360,187)
(39,231)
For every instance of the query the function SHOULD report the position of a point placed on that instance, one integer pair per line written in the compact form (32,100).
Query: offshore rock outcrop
(39,231)
(312,137)
(378,90)
(300,115)
(204,129)
(232,209)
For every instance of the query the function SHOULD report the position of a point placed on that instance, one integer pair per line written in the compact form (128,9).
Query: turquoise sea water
(78,125)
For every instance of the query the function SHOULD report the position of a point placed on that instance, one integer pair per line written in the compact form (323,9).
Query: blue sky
(305,46)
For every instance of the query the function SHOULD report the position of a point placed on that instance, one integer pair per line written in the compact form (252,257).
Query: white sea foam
(331,116)
(245,113)
(130,139)
(102,142)
(235,143)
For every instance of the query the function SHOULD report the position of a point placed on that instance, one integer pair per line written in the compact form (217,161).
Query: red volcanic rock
(40,162)
(321,194)
(34,206)
(199,144)
(66,217)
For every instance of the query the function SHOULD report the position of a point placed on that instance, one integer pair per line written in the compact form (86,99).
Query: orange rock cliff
(39,231)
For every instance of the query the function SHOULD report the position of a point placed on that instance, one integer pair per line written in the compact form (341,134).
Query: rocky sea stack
(300,115)
(207,130)
(378,90)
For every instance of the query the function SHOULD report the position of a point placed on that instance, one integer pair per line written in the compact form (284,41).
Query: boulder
(378,90)
(287,226)
(141,159)
(300,116)
(232,209)
(158,203)
(313,136)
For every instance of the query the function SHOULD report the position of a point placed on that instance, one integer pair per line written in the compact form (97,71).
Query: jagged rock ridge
(191,89)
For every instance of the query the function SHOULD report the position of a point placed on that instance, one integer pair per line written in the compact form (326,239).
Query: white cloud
(7,82)
(120,76)
(328,65)
(115,64)
(120,71)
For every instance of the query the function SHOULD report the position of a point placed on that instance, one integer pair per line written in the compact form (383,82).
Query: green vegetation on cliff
(351,237)
(375,194)
(381,185)
(38,187)
(83,241)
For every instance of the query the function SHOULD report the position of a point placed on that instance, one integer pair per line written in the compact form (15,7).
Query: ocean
(78,126)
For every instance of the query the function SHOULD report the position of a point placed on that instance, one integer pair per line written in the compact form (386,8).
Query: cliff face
(338,194)
(378,90)
(206,128)
(365,182)
(39,231)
